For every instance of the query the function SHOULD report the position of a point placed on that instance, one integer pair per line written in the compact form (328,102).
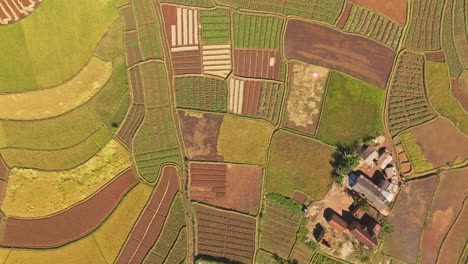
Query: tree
(363,203)
(345,159)
(387,227)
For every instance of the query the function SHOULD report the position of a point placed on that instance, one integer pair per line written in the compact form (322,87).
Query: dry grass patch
(33,193)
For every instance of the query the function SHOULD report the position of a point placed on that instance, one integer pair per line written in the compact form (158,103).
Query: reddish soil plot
(344,16)
(187,62)
(355,55)
(455,242)
(395,9)
(447,145)
(4,170)
(436,56)
(225,234)
(150,224)
(14,10)
(257,63)
(131,123)
(200,134)
(71,224)
(181,26)
(403,243)
(460,93)
(448,201)
(129,18)
(231,186)
(132,48)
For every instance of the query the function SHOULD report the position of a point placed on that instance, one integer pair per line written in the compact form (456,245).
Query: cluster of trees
(344,160)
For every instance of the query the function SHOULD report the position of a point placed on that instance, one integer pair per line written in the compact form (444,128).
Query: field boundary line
(173,243)
(99,248)
(324,97)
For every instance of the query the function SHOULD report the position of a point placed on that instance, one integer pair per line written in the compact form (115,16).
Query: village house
(336,222)
(367,189)
(362,233)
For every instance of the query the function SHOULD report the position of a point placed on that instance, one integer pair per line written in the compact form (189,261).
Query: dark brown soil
(436,56)
(403,243)
(187,62)
(395,9)
(200,135)
(170,18)
(4,171)
(256,63)
(344,16)
(129,18)
(231,186)
(149,226)
(442,147)
(448,201)
(14,10)
(299,196)
(251,98)
(132,48)
(71,224)
(131,123)
(460,93)
(355,55)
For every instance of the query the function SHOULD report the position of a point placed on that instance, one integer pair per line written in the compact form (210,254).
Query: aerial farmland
(233,131)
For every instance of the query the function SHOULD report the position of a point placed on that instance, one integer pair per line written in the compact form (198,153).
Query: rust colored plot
(403,243)
(231,186)
(132,48)
(71,224)
(225,234)
(129,18)
(187,62)
(460,93)
(344,15)
(15,10)
(200,134)
(448,201)
(4,170)
(132,121)
(149,226)
(257,63)
(299,196)
(455,242)
(395,9)
(251,98)
(181,26)
(357,56)
(435,56)
(445,146)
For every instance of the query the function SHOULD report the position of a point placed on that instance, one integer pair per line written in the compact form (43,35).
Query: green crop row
(271,95)
(215,26)
(257,32)
(148,26)
(199,3)
(448,44)
(201,93)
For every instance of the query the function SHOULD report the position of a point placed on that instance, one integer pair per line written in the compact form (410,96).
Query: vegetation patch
(320,258)
(179,249)
(33,193)
(438,89)
(112,44)
(448,38)
(243,140)
(215,26)
(416,155)
(147,20)
(200,3)
(45,56)
(352,110)
(257,32)
(202,93)
(298,162)
(424,25)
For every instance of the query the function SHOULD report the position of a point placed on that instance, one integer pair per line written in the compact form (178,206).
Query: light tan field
(34,193)
(60,99)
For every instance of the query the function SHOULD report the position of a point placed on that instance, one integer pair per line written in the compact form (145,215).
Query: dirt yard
(395,9)
(357,56)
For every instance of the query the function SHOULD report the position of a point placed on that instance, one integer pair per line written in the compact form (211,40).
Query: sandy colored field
(403,243)
(448,145)
(455,242)
(230,186)
(71,224)
(58,100)
(200,133)
(243,140)
(33,193)
(448,201)
(39,57)
(305,96)
(298,162)
(355,55)
(100,247)
(395,10)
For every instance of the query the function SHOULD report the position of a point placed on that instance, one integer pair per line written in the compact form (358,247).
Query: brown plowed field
(187,62)
(256,63)
(14,10)
(448,201)
(302,253)
(455,242)
(4,171)
(344,16)
(355,55)
(231,186)
(129,18)
(132,48)
(225,234)
(251,97)
(395,9)
(436,56)
(71,224)
(200,134)
(403,243)
(447,145)
(459,93)
(131,123)
(149,226)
